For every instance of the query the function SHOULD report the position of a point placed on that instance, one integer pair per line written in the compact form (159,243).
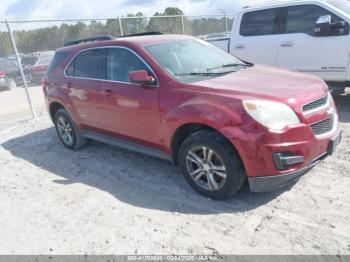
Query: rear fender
(59,95)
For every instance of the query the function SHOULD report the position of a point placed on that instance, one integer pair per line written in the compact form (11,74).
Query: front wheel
(211,165)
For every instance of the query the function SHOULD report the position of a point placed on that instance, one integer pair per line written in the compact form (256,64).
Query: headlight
(272,115)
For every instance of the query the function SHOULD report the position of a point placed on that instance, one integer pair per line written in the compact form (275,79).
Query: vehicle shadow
(130,177)
(343,105)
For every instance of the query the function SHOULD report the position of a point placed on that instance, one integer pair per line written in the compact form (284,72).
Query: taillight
(2,74)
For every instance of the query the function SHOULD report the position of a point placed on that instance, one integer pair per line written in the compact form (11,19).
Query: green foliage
(137,24)
(53,37)
(169,25)
(5,44)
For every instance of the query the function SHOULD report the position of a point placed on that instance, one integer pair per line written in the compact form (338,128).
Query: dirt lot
(14,104)
(103,200)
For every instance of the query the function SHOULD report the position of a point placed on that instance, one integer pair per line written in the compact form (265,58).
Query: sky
(62,9)
(70,9)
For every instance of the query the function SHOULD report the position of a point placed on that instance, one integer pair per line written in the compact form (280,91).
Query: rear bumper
(271,183)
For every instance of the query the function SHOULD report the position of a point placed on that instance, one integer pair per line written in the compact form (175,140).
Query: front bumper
(271,183)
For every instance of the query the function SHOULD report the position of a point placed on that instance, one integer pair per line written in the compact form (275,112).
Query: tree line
(53,37)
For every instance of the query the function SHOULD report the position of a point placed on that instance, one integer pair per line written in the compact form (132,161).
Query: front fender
(224,116)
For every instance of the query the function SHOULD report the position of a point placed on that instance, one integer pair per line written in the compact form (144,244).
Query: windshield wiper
(202,73)
(227,65)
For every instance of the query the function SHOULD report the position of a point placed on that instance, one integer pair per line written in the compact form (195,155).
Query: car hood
(267,82)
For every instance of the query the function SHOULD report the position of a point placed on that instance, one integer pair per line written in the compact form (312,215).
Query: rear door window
(88,64)
(258,23)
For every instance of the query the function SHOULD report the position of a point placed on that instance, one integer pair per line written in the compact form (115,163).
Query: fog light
(284,160)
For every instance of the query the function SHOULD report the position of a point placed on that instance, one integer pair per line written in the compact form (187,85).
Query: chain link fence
(31,45)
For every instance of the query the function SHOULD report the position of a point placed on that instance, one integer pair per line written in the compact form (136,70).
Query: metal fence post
(120,26)
(20,68)
(183,24)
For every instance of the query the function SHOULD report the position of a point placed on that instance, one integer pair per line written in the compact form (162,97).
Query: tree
(112,27)
(52,37)
(5,44)
(169,25)
(133,24)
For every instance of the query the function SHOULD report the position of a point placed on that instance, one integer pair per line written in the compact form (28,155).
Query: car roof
(282,3)
(132,40)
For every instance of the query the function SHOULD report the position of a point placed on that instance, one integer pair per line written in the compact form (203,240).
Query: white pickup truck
(307,36)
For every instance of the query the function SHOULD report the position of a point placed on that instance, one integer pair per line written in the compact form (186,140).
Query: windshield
(193,60)
(341,4)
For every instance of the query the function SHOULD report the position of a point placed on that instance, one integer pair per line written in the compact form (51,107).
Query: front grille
(315,104)
(323,127)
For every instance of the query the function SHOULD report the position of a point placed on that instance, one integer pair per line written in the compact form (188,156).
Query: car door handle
(287,43)
(240,46)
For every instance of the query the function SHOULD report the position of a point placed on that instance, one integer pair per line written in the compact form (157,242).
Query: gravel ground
(103,200)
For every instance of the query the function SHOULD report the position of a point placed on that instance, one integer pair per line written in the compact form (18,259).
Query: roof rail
(92,39)
(107,37)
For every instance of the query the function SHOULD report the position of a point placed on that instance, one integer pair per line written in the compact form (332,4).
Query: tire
(67,131)
(221,175)
(11,84)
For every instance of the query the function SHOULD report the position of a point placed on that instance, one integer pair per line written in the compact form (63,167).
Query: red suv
(220,119)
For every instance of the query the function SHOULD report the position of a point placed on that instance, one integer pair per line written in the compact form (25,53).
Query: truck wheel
(68,131)
(211,165)
(11,84)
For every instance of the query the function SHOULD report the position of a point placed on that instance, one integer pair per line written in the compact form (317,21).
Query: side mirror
(325,27)
(141,77)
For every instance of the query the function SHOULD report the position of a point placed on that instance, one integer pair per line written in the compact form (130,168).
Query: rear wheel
(211,165)
(68,131)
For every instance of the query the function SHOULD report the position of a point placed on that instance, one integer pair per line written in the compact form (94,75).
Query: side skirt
(126,145)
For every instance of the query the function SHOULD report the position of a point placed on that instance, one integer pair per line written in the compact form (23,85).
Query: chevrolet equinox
(222,120)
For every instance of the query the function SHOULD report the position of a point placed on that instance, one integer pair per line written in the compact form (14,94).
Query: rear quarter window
(258,23)
(56,61)
(88,64)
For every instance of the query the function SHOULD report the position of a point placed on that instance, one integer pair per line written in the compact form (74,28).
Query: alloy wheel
(65,130)
(206,168)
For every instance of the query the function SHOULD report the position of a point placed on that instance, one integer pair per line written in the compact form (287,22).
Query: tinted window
(258,23)
(56,61)
(70,69)
(89,64)
(302,18)
(28,60)
(120,62)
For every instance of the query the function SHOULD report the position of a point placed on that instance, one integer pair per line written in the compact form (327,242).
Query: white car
(307,36)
